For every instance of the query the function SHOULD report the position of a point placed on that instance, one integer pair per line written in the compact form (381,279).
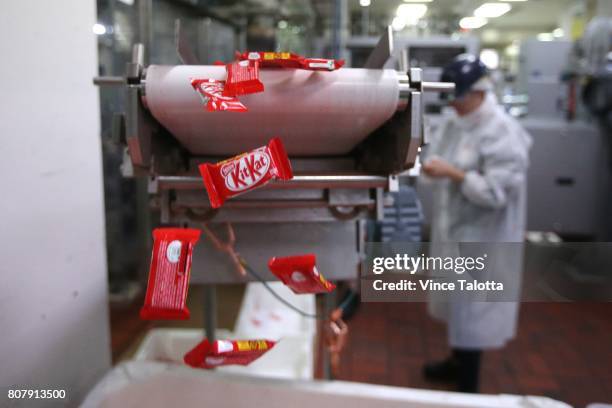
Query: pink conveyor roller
(314,113)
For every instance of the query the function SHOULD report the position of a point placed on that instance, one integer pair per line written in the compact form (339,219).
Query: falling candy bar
(225,352)
(212,93)
(300,274)
(245,172)
(169,274)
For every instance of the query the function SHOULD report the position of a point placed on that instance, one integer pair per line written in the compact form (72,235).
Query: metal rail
(109,80)
(318,181)
(438,86)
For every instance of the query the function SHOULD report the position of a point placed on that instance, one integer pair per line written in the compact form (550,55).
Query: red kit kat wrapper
(242,78)
(226,352)
(212,93)
(300,274)
(290,60)
(245,172)
(169,274)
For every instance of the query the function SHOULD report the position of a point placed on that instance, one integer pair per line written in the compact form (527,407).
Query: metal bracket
(415,141)
(138,132)
(134,68)
(382,52)
(183,49)
(416,79)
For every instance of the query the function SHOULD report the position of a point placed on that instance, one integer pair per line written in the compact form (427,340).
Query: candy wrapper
(245,172)
(226,352)
(300,274)
(291,60)
(242,78)
(213,98)
(169,274)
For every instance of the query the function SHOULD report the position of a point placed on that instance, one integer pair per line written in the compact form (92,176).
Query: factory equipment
(540,68)
(348,133)
(555,74)
(429,54)
(565,193)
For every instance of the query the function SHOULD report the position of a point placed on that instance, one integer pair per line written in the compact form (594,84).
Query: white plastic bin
(261,317)
(152,385)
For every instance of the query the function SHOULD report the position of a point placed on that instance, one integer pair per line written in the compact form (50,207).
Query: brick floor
(562,350)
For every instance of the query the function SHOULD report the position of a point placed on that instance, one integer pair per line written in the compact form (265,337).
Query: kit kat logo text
(246,171)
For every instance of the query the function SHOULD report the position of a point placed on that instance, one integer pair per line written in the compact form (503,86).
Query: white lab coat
(488,206)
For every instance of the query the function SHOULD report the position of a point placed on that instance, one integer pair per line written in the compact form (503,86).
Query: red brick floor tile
(562,351)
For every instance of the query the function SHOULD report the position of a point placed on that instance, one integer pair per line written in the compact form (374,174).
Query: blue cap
(464,72)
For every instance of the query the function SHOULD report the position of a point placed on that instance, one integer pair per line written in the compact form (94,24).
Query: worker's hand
(438,168)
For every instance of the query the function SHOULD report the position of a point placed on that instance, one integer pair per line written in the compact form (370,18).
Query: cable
(346,301)
(279,297)
(243,266)
(257,276)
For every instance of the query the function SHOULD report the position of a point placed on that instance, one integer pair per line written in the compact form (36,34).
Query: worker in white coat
(476,165)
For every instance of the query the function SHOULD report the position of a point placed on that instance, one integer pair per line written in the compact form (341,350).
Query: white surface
(148,384)
(290,358)
(261,315)
(53,302)
(314,113)
(264,317)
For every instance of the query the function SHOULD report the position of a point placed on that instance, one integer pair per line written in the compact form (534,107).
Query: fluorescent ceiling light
(471,23)
(546,37)
(411,13)
(512,50)
(364,3)
(490,58)
(98,29)
(558,33)
(491,36)
(492,10)
(398,23)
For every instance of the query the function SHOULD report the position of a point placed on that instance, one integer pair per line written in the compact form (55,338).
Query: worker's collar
(479,115)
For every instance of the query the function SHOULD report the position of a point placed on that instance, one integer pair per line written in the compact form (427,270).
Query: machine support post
(210,311)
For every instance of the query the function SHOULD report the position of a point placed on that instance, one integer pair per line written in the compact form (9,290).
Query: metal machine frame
(323,189)
(320,206)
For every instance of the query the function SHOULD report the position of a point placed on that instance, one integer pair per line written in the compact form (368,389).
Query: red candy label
(226,352)
(169,274)
(245,172)
(300,274)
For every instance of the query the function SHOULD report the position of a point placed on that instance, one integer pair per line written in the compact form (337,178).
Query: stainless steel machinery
(348,134)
